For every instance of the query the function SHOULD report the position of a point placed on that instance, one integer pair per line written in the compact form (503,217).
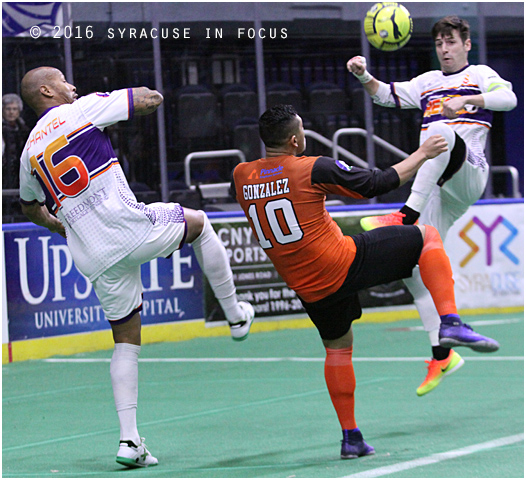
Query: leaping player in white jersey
(457,103)
(69,164)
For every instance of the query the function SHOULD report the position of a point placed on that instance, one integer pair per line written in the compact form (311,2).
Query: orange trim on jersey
(78,130)
(462,123)
(449,88)
(105,170)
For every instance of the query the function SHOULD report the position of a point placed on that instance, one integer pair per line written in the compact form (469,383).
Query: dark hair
(446,25)
(277,125)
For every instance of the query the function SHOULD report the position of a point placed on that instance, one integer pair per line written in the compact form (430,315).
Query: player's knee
(432,239)
(128,331)
(422,229)
(447,132)
(195,223)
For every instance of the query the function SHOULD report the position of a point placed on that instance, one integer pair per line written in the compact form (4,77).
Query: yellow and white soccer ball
(388,26)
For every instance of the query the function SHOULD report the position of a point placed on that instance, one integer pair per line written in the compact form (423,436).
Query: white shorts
(119,288)
(448,203)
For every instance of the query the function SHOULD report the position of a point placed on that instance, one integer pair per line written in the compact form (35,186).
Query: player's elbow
(157,98)
(509,99)
(146,101)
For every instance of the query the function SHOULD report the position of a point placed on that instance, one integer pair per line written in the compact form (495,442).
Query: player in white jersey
(457,102)
(68,164)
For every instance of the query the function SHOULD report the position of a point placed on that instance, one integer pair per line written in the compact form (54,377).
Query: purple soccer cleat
(454,333)
(354,446)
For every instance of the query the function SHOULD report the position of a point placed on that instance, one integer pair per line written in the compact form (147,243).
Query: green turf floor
(263,411)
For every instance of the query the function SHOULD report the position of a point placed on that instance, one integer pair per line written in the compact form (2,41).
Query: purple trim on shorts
(184,235)
(127,317)
(182,240)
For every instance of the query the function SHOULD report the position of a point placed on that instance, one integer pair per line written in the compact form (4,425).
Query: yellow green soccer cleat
(370,223)
(437,370)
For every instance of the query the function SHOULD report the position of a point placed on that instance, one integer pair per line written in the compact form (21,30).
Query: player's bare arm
(146,101)
(39,215)
(433,146)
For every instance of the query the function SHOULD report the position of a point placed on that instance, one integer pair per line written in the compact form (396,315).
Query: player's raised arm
(146,101)
(358,67)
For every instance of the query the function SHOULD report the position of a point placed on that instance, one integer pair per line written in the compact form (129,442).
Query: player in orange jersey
(283,196)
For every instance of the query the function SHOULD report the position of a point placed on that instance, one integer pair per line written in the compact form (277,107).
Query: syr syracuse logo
(494,237)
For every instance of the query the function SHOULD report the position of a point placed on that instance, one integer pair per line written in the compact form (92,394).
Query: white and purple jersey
(429,90)
(69,162)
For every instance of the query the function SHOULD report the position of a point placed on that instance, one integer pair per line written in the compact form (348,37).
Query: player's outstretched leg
(213,260)
(437,276)
(434,172)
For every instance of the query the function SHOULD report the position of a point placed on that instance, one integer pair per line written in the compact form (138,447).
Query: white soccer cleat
(135,456)
(239,331)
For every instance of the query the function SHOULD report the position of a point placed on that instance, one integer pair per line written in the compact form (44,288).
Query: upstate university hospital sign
(48,296)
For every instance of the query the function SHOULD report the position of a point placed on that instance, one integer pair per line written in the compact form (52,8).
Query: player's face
(452,53)
(64,90)
(300,136)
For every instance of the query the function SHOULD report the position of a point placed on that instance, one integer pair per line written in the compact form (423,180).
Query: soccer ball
(388,26)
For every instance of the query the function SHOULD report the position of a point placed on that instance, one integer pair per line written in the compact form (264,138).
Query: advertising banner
(485,247)
(48,296)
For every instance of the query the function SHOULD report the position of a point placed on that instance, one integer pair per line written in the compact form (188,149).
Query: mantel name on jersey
(267,189)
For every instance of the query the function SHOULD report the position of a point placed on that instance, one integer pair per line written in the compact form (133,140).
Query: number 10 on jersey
(271,209)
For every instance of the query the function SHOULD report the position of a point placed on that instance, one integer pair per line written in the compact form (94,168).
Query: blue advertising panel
(48,296)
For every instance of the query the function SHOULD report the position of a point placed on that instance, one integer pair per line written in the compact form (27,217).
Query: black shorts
(383,255)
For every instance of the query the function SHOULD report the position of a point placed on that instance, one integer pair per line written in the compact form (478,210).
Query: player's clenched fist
(357,65)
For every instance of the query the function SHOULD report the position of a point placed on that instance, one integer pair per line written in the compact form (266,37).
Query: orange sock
(339,376)
(436,273)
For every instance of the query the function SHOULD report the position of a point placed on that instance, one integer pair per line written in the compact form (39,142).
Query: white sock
(213,260)
(124,371)
(425,305)
(429,174)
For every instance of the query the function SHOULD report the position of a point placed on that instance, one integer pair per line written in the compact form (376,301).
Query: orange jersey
(284,200)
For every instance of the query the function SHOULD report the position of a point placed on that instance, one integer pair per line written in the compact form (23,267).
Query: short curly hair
(277,125)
